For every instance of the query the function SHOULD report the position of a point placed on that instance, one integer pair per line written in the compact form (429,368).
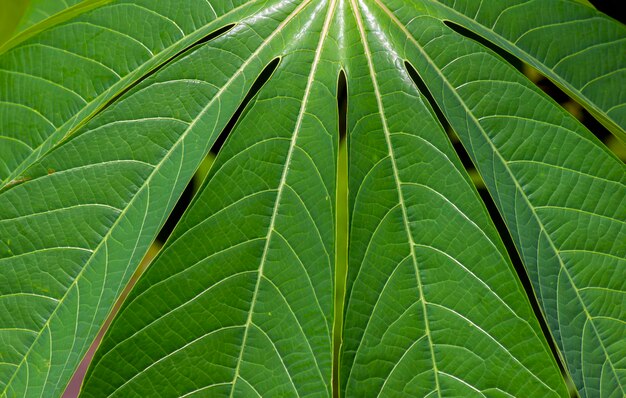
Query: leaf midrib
(549,72)
(422,299)
(280,189)
(59,17)
(156,61)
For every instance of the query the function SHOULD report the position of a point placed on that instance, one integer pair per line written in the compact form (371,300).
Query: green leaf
(108,108)
(560,191)
(250,309)
(74,232)
(39,10)
(433,305)
(563,40)
(12,12)
(127,40)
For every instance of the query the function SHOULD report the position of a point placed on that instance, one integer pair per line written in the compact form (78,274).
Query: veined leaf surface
(93,57)
(240,300)
(529,30)
(40,10)
(262,284)
(567,216)
(433,305)
(112,185)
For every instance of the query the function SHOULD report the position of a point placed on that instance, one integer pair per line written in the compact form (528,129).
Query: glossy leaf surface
(240,301)
(75,230)
(264,279)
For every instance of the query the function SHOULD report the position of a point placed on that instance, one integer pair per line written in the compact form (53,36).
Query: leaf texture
(561,193)
(253,257)
(433,305)
(410,344)
(86,62)
(40,10)
(107,110)
(78,227)
(563,40)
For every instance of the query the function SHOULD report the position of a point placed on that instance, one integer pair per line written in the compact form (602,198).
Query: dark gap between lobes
(179,54)
(112,100)
(73,387)
(341,242)
(463,31)
(193,186)
(494,213)
(547,86)
(141,79)
(180,207)
(264,76)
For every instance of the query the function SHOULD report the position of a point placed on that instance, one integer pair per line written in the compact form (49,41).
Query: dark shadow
(614,8)
(264,76)
(178,55)
(494,214)
(481,40)
(188,194)
(341,266)
(545,84)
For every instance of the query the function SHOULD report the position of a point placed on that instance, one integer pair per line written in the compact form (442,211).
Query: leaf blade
(584,33)
(143,173)
(420,247)
(98,69)
(277,226)
(544,183)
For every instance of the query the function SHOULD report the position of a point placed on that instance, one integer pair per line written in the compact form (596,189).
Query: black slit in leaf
(493,213)
(174,57)
(186,198)
(341,247)
(214,34)
(545,84)
(419,82)
(342,104)
(481,40)
(264,76)
(72,131)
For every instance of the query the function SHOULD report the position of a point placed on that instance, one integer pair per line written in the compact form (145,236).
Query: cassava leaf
(39,10)
(561,192)
(107,108)
(74,232)
(10,17)
(486,336)
(262,284)
(563,40)
(91,59)
(433,305)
